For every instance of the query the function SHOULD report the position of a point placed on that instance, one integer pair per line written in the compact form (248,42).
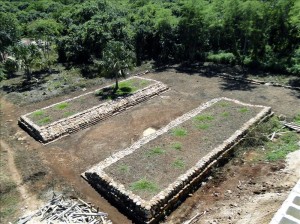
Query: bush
(221,57)
(10,66)
(295,62)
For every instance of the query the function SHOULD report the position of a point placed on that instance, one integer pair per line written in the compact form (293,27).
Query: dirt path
(30,202)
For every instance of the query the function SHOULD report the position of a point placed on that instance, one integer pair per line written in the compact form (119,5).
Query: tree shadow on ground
(37,80)
(296,93)
(295,82)
(211,70)
(232,85)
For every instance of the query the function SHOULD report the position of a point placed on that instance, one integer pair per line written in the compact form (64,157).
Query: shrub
(222,57)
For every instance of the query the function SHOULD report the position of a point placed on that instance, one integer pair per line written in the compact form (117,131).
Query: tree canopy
(261,34)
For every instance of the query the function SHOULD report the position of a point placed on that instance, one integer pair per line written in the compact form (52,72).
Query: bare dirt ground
(240,192)
(30,202)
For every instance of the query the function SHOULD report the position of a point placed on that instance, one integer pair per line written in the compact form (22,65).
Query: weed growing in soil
(178,163)
(284,145)
(176,146)
(45,120)
(62,106)
(243,110)
(204,117)
(203,126)
(124,168)
(297,119)
(273,150)
(179,132)
(223,104)
(156,151)
(225,114)
(38,113)
(144,185)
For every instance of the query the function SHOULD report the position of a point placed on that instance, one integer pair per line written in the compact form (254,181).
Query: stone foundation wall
(89,117)
(151,211)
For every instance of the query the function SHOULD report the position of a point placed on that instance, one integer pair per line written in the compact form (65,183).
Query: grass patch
(62,106)
(204,117)
(284,145)
(223,104)
(225,114)
(203,126)
(176,146)
(125,88)
(243,110)
(9,204)
(38,113)
(297,119)
(179,132)
(144,185)
(45,120)
(124,168)
(156,151)
(178,163)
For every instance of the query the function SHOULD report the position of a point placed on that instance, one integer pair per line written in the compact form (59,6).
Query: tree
(117,58)
(28,55)
(45,30)
(9,33)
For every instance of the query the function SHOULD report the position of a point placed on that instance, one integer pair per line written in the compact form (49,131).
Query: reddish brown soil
(68,157)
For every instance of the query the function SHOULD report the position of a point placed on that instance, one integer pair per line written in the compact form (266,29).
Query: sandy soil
(68,157)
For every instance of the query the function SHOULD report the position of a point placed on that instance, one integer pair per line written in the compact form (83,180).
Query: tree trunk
(117,84)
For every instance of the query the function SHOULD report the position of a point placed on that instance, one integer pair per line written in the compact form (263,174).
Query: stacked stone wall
(151,211)
(90,116)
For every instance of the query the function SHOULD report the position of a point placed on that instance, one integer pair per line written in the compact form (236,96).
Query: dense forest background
(105,34)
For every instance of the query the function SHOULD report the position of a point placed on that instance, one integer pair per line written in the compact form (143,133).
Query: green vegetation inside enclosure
(225,114)
(204,117)
(176,145)
(171,154)
(156,151)
(87,101)
(203,126)
(244,110)
(144,185)
(125,88)
(62,106)
(179,132)
(124,168)
(38,113)
(45,120)
(179,163)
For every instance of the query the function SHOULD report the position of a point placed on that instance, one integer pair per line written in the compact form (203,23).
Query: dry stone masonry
(90,116)
(151,211)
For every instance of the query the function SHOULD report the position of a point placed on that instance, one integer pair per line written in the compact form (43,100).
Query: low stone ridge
(90,116)
(151,211)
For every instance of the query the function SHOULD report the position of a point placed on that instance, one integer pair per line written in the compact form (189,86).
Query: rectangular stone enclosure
(149,178)
(61,119)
